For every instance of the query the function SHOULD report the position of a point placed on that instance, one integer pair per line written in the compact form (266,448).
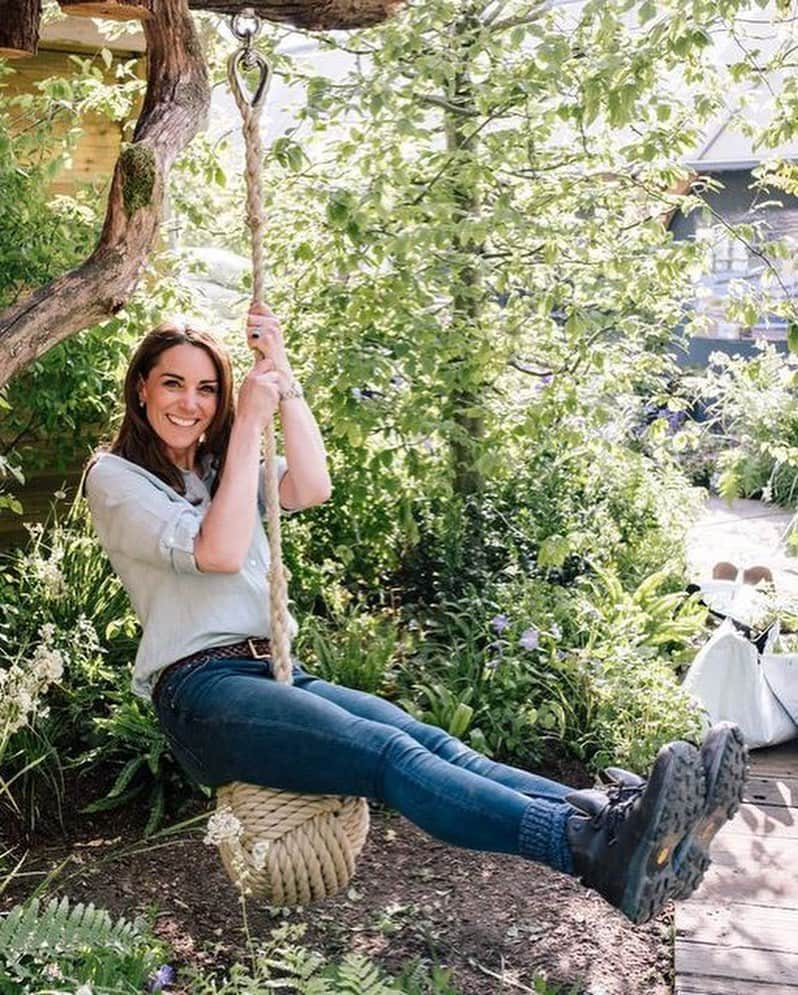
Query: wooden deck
(738,935)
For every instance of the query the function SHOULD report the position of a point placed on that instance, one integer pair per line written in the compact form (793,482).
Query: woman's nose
(189,400)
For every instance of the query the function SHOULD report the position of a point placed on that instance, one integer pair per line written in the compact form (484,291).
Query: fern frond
(359,976)
(30,931)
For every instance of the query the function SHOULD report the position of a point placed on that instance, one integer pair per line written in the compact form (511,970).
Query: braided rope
(250,109)
(312,841)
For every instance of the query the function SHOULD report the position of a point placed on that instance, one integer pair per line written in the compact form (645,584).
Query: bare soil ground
(497,922)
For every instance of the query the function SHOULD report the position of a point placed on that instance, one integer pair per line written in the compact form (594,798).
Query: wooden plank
(751,877)
(738,925)
(772,791)
(756,853)
(735,964)
(698,985)
(781,761)
(763,820)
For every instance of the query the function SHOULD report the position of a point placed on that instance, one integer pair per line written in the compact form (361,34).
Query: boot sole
(680,804)
(725,786)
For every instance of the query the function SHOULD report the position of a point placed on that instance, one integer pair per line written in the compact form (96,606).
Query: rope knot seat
(292,848)
(311,842)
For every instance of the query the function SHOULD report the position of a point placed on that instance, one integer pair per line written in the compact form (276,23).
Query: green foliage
(129,735)
(63,944)
(634,642)
(282,963)
(484,686)
(753,409)
(351,646)
(649,619)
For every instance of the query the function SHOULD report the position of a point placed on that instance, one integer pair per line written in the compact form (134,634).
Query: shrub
(61,597)
(753,424)
(351,645)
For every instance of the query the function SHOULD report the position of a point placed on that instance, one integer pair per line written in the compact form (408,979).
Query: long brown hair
(136,441)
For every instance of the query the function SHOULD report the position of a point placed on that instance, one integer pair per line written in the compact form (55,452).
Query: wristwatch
(294,389)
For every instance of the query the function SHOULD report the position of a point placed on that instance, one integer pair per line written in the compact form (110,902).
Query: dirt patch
(495,921)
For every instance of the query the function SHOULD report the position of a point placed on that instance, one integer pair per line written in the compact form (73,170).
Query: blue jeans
(228,720)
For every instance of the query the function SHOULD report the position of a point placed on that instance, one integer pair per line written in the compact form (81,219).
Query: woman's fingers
(259,395)
(265,336)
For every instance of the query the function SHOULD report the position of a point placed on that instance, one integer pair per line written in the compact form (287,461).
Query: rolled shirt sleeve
(142,522)
(282,469)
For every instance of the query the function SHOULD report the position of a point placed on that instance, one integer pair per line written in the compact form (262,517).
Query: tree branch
(312,15)
(429,98)
(175,108)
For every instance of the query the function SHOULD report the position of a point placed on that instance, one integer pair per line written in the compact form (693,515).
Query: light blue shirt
(148,531)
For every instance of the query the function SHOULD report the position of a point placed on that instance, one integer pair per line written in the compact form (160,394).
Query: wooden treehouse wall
(97,149)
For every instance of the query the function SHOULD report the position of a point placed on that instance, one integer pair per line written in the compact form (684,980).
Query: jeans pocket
(175,685)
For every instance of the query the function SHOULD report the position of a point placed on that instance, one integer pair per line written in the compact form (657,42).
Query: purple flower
(547,378)
(529,639)
(165,975)
(357,393)
(500,623)
(675,420)
(556,632)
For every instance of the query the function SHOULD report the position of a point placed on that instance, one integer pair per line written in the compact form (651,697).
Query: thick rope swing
(293,849)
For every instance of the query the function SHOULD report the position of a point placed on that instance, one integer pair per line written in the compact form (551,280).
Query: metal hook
(250,60)
(242,32)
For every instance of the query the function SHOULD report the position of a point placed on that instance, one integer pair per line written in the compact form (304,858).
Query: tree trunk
(19,27)
(466,283)
(114,10)
(175,108)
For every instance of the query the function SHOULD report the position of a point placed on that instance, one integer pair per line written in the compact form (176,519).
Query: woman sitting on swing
(177,504)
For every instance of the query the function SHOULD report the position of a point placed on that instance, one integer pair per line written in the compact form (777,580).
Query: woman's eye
(209,388)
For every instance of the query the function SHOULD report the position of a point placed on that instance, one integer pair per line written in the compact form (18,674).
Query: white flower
(259,853)
(24,701)
(48,665)
(84,990)
(222,827)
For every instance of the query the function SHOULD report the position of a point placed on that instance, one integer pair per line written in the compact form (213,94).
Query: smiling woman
(180,398)
(178,403)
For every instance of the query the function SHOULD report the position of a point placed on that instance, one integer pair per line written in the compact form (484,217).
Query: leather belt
(254,648)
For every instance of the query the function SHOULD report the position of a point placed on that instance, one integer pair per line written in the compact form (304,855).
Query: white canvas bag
(781,673)
(731,681)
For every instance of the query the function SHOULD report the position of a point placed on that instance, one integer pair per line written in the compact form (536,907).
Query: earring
(141,402)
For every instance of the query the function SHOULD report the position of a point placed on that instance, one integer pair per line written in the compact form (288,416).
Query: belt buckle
(255,654)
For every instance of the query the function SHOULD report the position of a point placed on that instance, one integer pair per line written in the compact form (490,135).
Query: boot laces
(621,799)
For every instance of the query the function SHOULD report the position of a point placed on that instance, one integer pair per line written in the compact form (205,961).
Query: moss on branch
(138,169)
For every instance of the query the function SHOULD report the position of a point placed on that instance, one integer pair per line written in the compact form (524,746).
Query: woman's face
(181,395)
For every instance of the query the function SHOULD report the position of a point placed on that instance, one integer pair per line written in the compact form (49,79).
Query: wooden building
(97,148)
